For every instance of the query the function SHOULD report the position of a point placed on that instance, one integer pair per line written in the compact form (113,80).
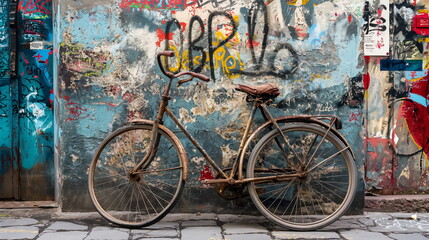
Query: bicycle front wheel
(313,176)
(141,199)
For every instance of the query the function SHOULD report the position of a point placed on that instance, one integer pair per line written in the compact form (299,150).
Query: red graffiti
(206,173)
(162,36)
(416,113)
(34,6)
(356,116)
(157,4)
(75,110)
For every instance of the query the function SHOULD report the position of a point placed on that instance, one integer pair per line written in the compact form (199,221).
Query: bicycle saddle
(264,90)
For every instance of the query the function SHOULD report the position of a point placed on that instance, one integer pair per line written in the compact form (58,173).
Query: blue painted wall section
(107,74)
(35,107)
(6,147)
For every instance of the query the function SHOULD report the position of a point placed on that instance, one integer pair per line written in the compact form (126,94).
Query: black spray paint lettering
(167,45)
(194,47)
(257,6)
(213,48)
(283,52)
(3,106)
(193,42)
(215,3)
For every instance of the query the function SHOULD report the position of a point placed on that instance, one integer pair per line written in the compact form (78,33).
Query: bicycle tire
(142,199)
(323,192)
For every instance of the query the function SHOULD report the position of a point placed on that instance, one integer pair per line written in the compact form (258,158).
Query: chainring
(229,191)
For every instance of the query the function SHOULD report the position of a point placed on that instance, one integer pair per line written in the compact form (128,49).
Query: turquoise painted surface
(5,91)
(35,85)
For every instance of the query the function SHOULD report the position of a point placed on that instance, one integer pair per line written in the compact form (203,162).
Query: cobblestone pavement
(42,225)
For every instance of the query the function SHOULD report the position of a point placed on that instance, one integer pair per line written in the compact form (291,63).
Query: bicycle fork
(154,139)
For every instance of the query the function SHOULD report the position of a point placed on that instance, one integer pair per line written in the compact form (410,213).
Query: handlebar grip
(166,53)
(201,77)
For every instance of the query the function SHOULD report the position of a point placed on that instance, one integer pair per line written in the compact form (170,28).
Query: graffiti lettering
(216,3)
(75,110)
(3,106)
(35,6)
(34,27)
(325,107)
(139,5)
(257,6)
(78,62)
(217,41)
(167,45)
(193,47)
(282,61)
(356,117)
(213,48)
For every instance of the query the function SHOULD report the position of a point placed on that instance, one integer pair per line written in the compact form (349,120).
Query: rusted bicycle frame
(329,122)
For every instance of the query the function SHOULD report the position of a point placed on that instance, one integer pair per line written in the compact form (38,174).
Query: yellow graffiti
(297,2)
(230,63)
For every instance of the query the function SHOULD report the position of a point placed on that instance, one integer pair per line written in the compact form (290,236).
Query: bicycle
(301,174)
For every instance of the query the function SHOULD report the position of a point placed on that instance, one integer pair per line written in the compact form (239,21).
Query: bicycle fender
(176,140)
(289,119)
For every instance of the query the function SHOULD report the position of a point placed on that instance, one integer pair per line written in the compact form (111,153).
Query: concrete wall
(107,75)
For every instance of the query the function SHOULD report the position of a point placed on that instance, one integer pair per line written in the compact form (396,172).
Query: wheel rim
(135,199)
(317,198)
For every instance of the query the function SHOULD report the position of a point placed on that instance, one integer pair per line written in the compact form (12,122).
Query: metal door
(26,102)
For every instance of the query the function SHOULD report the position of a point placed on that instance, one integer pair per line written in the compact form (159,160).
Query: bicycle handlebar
(172,75)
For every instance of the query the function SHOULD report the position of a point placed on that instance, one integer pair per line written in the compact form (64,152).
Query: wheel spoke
(143,197)
(324,173)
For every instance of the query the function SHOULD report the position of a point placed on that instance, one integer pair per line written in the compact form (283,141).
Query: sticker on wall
(376,28)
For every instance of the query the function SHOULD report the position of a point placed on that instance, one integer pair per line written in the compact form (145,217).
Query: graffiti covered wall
(107,73)
(396,93)
(34,100)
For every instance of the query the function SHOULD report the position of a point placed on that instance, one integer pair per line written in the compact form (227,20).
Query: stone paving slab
(17,222)
(305,235)
(19,232)
(99,233)
(412,236)
(242,228)
(66,226)
(68,235)
(202,233)
(155,233)
(363,235)
(400,226)
(163,225)
(248,237)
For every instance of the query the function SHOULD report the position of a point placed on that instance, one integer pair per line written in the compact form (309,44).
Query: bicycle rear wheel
(326,181)
(135,200)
